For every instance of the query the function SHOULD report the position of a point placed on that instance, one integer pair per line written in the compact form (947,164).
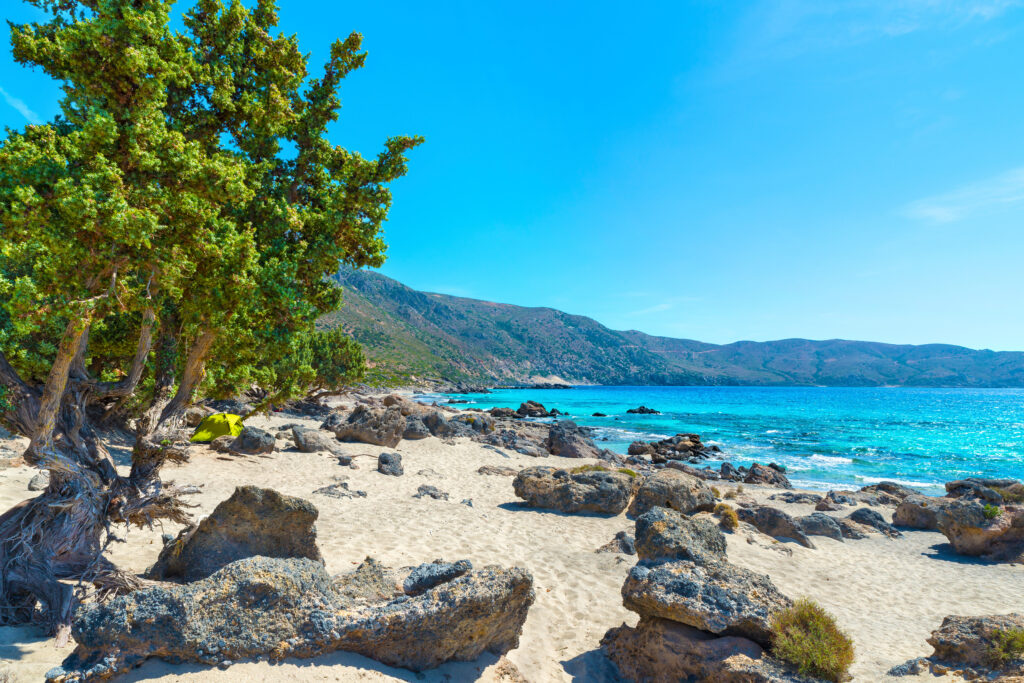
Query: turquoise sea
(823,436)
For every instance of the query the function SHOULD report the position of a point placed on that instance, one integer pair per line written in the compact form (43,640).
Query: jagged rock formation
(599,491)
(290,608)
(253,521)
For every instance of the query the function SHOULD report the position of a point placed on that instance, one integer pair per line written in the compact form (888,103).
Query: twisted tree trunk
(61,534)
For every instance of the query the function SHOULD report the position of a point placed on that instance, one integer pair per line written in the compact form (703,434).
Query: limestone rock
(664,534)
(339,490)
(498,470)
(717,597)
(427,491)
(774,522)
(801,498)
(569,440)
(772,475)
(969,640)
(532,409)
(587,491)
(979,489)
(415,429)
(390,464)
(891,488)
(365,424)
(426,576)
(820,524)
(673,489)
(971,532)
(313,440)
(253,521)
(663,651)
(253,441)
(874,520)
(289,608)
(623,543)
(920,512)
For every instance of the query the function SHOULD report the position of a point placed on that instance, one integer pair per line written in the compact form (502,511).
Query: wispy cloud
(1003,189)
(784,29)
(666,305)
(20,105)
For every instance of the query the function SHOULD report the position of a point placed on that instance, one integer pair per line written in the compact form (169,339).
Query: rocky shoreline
(492,478)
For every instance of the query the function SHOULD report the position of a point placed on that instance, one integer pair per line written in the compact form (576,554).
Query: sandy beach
(888,594)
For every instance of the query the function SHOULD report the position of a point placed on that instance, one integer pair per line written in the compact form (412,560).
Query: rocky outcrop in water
(679,447)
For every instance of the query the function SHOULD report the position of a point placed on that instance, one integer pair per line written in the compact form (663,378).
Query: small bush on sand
(727,516)
(715,492)
(806,636)
(739,489)
(1006,646)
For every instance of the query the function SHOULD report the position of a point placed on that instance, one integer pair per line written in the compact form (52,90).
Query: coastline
(825,437)
(888,593)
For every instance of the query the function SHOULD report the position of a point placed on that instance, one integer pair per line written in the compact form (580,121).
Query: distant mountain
(412,336)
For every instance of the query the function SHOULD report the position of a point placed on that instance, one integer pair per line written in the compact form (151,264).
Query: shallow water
(823,436)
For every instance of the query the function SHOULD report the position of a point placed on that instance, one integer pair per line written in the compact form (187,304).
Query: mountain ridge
(431,338)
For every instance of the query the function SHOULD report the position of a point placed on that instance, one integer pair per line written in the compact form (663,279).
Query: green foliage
(807,637)
(589,468)
(1006,646)
(715,492)
(632,474)
(727,516)
(164,184)
(991,511)
(1012,494)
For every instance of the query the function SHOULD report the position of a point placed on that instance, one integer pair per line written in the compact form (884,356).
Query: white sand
(888,594)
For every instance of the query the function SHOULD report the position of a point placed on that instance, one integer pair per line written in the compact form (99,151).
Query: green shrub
(628,472)
(1011,494)
(1006,646)
(991,511)
(727,516)
(807,637)
(715,492)
(589,468)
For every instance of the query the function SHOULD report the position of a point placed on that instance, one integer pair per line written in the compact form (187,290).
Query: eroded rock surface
(673,489)
(253,521)
(664,534)
(603,492)
(716,597)
(366,424)
(289,608)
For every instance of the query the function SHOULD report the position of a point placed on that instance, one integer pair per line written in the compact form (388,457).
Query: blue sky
(710,170)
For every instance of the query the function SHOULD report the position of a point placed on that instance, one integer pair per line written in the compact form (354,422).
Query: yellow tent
(218,424)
